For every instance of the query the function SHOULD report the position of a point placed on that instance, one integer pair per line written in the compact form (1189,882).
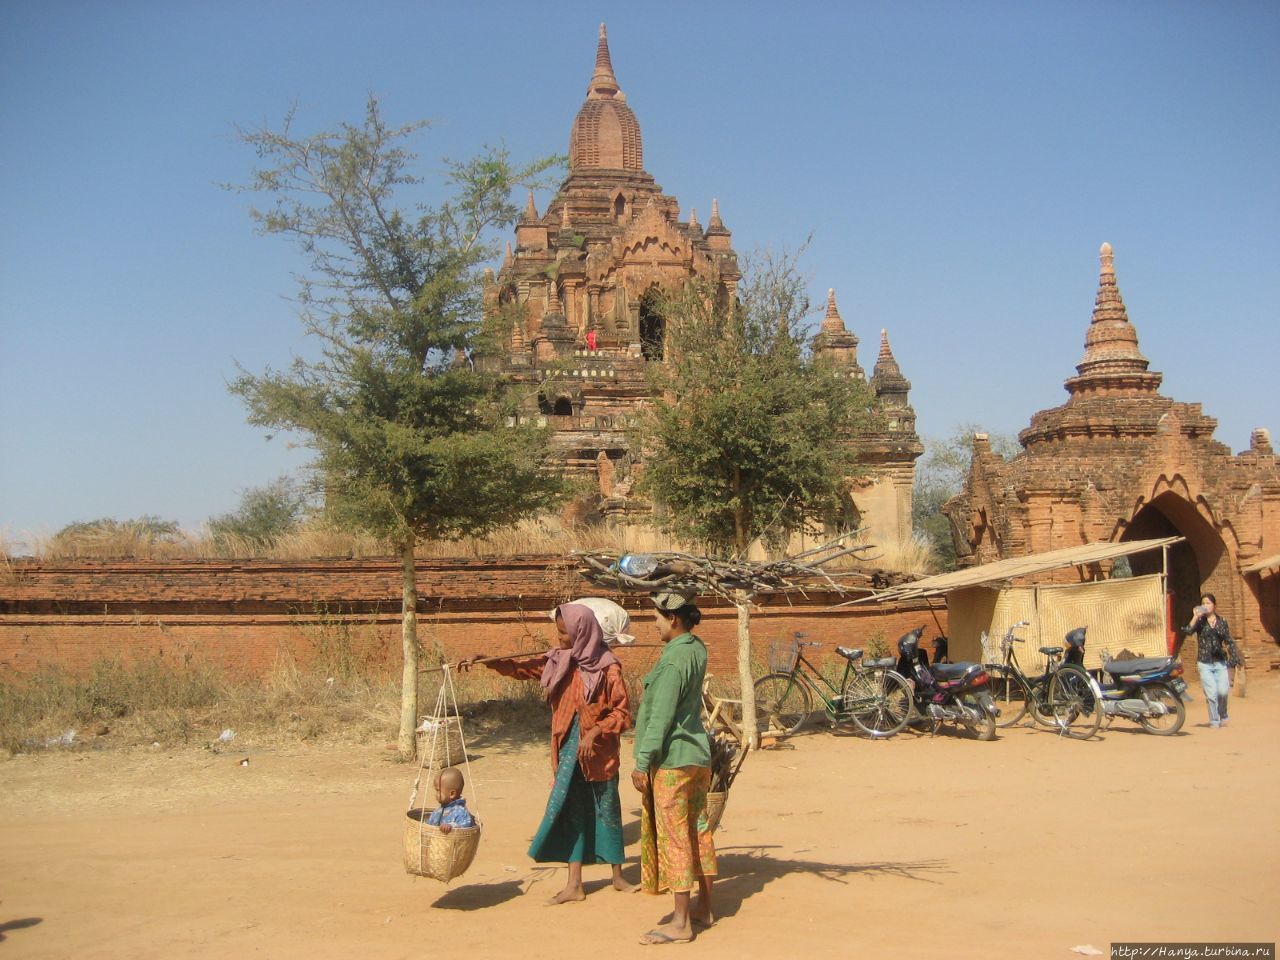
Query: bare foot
(668,933)
(622,886)
(567,895)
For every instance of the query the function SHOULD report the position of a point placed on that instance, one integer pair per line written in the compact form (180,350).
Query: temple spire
(507,259)
(886,354)
(530,209)
(1112,362)
(715,223)
(887,379)
(603,82)
(835,341)
(606,133)
(832,322)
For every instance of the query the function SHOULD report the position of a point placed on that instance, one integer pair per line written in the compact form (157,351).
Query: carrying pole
(531,653)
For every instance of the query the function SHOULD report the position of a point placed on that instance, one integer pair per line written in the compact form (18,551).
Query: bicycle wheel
(1039,704)
(878,702)
(1176,712)
(1010,693)
(782,703)
(1076,703)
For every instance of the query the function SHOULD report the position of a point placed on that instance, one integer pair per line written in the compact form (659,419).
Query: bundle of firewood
(729,577)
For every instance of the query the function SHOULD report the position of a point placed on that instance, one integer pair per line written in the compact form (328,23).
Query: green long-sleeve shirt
(669,731)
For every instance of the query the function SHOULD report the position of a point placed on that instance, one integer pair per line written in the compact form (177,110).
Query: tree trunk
(742,600)
(407,741)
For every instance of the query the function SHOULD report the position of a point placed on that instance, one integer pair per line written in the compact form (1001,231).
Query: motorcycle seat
(1051,651)
(951,671)
(849,654)
(884,663)
(1140,665)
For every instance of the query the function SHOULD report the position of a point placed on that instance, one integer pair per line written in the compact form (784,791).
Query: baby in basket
(452,808)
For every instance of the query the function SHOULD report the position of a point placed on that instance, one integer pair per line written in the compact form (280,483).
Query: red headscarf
(589,653)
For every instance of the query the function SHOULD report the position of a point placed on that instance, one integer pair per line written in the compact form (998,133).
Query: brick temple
(586,279)
(1119,461)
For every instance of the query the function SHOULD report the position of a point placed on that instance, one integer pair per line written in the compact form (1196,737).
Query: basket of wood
(716,799)
(726,760)
(430,852)
(440,739)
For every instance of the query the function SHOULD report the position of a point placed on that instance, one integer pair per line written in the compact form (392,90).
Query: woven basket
(440,856)
(448,743)
(783,655)
(716,800)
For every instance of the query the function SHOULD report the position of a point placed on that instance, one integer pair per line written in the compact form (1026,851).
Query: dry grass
(317,539)
(911,554)
(547,537)
(346,693)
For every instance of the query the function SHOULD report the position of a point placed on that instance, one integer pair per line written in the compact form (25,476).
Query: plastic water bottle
(638,565)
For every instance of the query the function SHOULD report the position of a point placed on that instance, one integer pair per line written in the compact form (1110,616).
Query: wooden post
(406,743)
(742,600)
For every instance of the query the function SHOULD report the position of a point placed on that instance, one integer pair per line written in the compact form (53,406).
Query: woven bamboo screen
(1125,614)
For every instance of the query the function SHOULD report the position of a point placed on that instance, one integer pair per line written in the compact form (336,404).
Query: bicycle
(1064,697)
(871,695)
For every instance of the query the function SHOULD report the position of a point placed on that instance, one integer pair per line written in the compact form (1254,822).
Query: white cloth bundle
(613,620)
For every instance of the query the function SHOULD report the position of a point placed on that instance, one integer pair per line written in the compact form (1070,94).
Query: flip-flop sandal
(659,939)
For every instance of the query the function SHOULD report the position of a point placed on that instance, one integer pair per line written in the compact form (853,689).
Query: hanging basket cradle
(429,851)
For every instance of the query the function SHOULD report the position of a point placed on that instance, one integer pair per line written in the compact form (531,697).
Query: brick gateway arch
(1199,563)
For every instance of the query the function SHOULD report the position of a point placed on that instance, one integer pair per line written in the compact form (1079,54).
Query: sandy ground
(832,846)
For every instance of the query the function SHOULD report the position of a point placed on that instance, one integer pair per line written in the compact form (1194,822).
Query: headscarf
(589,653)
(613,619)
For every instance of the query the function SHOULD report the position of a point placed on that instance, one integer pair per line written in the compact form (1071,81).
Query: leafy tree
(940,475)
(264,515)
(412,441)
(749,438)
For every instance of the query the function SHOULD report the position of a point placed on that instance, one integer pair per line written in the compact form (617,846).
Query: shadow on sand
(745,871)
(18,925)
(478,896)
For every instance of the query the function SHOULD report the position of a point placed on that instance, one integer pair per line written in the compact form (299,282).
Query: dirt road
(834,846)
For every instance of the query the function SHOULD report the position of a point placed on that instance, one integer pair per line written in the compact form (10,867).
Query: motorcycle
(957,693)
(1147,690)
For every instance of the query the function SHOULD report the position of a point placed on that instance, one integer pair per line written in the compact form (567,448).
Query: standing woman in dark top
(1215,650)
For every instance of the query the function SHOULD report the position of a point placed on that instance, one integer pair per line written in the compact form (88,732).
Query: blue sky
(957,165)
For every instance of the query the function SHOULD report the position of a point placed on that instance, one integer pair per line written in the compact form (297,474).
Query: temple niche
(584,284)
(1119,461)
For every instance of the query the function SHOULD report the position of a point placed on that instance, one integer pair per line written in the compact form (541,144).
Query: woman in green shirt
(673,773)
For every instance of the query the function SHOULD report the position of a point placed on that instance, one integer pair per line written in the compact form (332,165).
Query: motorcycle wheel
(1171,722)
(782,704)
(983,728)
(1010,692)
(1076,703)
(878,703)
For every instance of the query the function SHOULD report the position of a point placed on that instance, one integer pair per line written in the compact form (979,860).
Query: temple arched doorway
(1193,564)
(653,326)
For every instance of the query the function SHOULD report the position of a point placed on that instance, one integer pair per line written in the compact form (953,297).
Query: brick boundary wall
(246,616)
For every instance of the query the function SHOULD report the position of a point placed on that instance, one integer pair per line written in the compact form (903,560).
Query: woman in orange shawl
(582,681)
